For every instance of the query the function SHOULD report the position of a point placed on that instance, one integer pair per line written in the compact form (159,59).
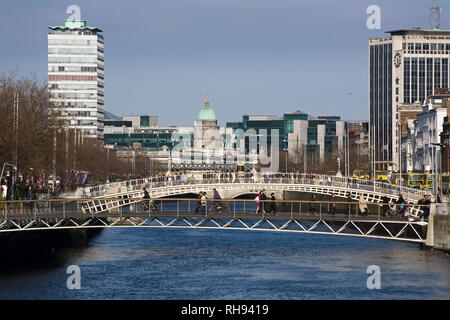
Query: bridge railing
(184,207)
(287,178)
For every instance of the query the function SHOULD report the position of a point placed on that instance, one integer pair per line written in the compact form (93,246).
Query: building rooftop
(262,117)
(109,116)
(402,32)
(75,25)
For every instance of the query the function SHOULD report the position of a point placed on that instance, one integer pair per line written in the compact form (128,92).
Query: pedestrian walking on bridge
(349,206)
(199,203)
(263,204)
(363,205)
(204,202)
(332,208)
(273,204)
(312,208)
(216,200)
(385,200)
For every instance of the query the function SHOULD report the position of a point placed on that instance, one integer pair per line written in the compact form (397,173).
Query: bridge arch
(159,187)
(232,190)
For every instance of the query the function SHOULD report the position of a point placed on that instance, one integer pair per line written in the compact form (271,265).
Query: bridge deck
(186,214)
(368,226)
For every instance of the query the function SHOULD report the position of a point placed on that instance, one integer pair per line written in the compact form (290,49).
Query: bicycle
(394,212)
(143,207)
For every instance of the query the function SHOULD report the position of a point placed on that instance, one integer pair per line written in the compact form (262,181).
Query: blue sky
(251,56)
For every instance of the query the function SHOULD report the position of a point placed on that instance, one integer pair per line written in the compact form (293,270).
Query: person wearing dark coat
(216,202)
(146,198)
(312,208)
(349,206)
(385,200)
(426,208)
(400,201)
(199,203)
(332,210)
(263,204)
(273,205)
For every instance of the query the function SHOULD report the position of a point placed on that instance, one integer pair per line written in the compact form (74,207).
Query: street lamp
(285,149)
(347,154)
(108,147)
(338,173)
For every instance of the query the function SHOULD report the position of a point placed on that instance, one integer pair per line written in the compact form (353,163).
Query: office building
(299,133)
(317,137)
(404,68)
(76,76)
(358,138)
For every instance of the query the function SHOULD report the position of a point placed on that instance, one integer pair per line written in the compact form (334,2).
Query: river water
(181,263)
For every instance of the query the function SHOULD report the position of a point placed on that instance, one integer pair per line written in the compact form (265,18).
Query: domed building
(207,114)
(207,134)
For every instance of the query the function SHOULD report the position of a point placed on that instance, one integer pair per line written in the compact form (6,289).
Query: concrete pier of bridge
(438,235)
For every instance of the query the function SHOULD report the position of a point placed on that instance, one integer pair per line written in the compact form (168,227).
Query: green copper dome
(207,113)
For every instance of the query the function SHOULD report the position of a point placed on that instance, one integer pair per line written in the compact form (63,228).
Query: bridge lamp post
(347,155)
(151,166)
(338,173)
(108,147)
(286,152)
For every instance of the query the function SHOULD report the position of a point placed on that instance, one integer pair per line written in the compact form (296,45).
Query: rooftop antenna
(435,16)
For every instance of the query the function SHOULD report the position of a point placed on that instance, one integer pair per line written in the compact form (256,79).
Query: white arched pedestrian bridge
(116,205)
(109,197)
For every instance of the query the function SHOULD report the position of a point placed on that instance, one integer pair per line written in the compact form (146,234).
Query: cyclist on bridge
(146,198)
(401,208)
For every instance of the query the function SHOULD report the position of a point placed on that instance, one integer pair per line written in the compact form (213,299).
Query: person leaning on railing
(426,202)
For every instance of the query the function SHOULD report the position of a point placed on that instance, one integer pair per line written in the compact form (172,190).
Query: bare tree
(296,159)
(37,125)
(44,144)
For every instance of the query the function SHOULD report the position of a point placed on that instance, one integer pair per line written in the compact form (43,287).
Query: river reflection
(233,264)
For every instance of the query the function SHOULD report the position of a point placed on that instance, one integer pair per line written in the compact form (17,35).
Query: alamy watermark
(74,280)
(374,19)
(214,146)
(75,12)
(374,280)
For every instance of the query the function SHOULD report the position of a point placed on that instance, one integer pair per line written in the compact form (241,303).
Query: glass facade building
(261,124)
(381,99)
(404,68)
(136,132)
(150,140)
(317,135)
